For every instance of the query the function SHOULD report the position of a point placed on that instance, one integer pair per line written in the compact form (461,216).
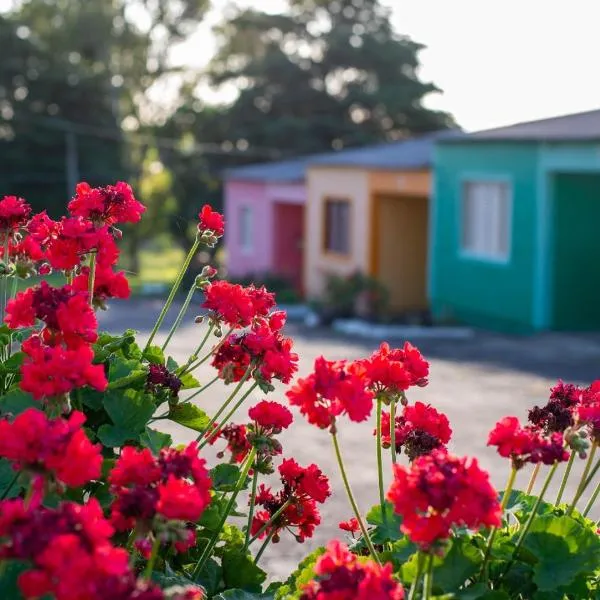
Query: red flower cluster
(211,221)
(262,347)
(334,388)
(160,377)
(588,411)
(107,284)
(237,306)
(419,430)
(106,205)
(439,491)
(303,487)
(236,437)
(51,447)
(526,444)
(351,526)
(342,575)
(14,213)
(392,371)
(271,417)
(173,487)
(73,536)
(557,415)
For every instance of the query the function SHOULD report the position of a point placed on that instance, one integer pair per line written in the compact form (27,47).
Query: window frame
(475,255)
(347,201)
(246,218)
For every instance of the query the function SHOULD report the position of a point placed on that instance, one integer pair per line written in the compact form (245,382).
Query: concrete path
(475,382)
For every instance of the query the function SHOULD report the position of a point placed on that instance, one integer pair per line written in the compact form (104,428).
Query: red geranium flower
(332,389)
(439,491)
(14,213)
(57,447)
(211,221)
(107,284)
(236,437)
(419,430)
(341,575)
(106,205)
(351,526)
(526,444)
(271,415)
(307,481)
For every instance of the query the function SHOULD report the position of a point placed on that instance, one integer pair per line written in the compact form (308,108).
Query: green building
(515,226)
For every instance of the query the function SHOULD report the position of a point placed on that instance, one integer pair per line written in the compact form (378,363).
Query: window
(486,208)
(246,233)
(337,226)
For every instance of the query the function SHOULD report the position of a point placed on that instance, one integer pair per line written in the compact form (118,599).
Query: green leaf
(480,591)
(224,477)
(460,563)
(301,576)
(129,410)
(564,549)
(8,582)
(211,517)
(8,484)
(172,364)
(14,362)
(155,440)
(190,416)
(210,577)
(400,552)
(154,355)
(189,382)
(125,372)
(388,529)
(93,399)
(240,571)
(113,436)
(242,595)
(17,401)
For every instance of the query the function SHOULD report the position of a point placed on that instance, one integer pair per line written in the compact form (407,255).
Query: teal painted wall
(492,295)
(575,275)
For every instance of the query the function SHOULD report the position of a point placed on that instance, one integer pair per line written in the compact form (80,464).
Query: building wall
(497,295)
(323,183)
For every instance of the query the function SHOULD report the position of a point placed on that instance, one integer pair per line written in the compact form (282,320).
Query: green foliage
(224,477)
(385,529)
(240,571)
(300,577)
(190,416)
(16,401)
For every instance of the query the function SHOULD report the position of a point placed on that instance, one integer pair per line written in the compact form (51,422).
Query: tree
(327,73)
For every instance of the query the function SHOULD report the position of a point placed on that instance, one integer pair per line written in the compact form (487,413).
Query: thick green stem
(351,499)
(584,479)
(213,541)
(263,548)
(393,431)
(251,509)
(412,594)
(92,278)
(179,319)
(428,579)
(380,463)
(563,483)
(270,522)
(152,559)
(532,479)
(532,516)
(209,433)
(173,293)
(591,501)
(505,496)
(204,387)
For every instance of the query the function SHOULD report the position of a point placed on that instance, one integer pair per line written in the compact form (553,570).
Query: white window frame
(487,241)
(246,237)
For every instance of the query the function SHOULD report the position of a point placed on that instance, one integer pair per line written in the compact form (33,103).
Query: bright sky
(498,61)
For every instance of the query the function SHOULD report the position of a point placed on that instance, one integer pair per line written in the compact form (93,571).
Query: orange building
(367,211)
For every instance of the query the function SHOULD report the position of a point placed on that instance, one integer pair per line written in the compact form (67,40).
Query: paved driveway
(475,382)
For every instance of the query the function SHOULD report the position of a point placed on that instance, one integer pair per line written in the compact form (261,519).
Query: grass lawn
(157,268)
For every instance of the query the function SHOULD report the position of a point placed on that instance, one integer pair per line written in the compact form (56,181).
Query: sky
(498,61)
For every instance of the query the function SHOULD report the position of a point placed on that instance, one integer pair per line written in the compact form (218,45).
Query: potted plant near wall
(97,502)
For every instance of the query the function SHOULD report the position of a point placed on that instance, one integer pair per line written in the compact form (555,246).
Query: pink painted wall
(260,198)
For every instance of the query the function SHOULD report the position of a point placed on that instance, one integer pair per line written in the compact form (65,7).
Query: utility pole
(72,161)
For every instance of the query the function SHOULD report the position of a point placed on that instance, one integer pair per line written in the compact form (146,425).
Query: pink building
(264,211)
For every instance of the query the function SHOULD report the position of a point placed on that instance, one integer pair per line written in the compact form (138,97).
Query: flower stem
(212,434)
(531,517)
(565,478)
(92,278)
(172,294)
(236,490)
(351,499)
(152,559)
(505,496)
(263,548)
(584,480)
(194,362)
(591,501)
(532,479)
(252,504)
(270,522)
(412,594)
(224,406)
(380,463)
(180,316)
(204,387)
(393,431)
(428,579)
